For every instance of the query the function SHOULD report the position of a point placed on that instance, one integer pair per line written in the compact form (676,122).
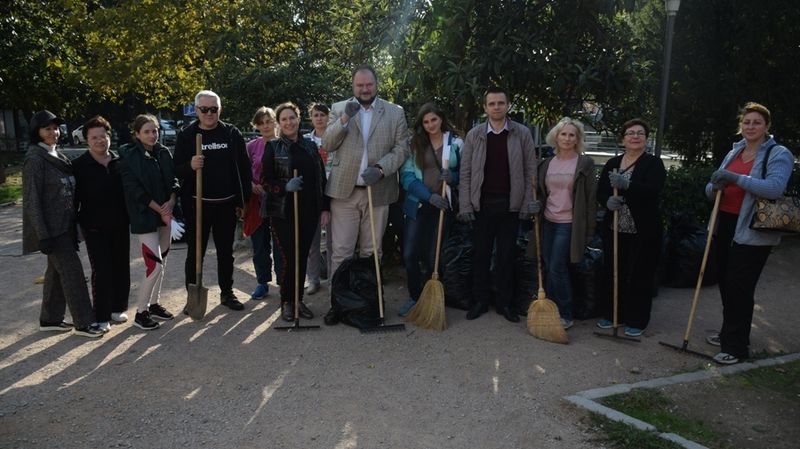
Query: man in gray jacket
(498,168)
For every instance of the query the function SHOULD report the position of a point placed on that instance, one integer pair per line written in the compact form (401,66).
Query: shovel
(198,295)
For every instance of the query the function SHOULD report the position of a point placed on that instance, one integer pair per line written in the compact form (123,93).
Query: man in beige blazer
(367,140)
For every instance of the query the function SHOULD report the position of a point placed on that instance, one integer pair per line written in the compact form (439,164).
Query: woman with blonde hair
(568,187)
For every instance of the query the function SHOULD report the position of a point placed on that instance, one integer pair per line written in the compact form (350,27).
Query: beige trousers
(350,227)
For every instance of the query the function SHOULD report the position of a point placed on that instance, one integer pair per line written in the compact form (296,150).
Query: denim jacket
(779,169)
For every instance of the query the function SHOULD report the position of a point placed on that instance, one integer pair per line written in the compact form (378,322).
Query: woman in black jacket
(104,223)
(639,178)
(148,177)
(49,226)
(281,157)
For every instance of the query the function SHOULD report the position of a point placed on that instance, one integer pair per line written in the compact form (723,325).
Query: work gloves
(351,108)
(175,230)
(465,217)
(619,181)
(722,177)
(371,175)
(295,184)
(446,176)
(438,201)
(615,202)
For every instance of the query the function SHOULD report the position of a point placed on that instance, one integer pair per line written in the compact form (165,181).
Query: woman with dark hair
(261,238)
(422,176)
(569,188)
(49,225)
(639,178)
(282,157)
(148,177)
(757,166)
(104,223)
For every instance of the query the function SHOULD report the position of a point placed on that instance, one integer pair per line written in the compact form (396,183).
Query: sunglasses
(206,109)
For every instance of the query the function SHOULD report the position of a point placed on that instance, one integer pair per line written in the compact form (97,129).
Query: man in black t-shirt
(226,187)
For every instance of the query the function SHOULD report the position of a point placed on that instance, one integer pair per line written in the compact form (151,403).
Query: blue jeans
(555,252)
(262,247)
(419,246)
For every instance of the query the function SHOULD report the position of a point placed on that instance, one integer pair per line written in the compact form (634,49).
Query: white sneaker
(104,326)
(119,317)
(566,324)
(713,339)
(724,358)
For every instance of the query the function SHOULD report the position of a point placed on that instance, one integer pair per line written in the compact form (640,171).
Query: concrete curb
(586,399)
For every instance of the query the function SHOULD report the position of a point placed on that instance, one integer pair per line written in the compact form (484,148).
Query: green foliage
(11,190)
(784,379)
(726,54)
(686,200)
(653,407)
(623,436)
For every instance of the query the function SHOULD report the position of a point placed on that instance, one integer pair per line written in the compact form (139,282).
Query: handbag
(779,215)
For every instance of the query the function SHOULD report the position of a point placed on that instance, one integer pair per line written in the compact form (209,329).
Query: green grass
(623,436)
(655,408)
(11,190)
(783,379)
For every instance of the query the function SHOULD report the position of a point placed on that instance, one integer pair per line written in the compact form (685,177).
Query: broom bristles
(428,313)
(544,322)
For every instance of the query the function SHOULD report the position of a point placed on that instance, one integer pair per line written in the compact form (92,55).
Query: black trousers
(65,286)
(283,238)
(638,262)
(109,257)
(739,268)
(494,227)
(219,220)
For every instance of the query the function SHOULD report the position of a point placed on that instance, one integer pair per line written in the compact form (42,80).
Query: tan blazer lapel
(377,116)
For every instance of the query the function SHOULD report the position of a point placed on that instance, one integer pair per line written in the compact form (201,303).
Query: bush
(684,199)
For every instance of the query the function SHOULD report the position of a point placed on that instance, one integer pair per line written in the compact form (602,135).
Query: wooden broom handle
(712,222)
(296,254)
(375,252)
(198,221)
(541,294)
(441,223)
(616,261)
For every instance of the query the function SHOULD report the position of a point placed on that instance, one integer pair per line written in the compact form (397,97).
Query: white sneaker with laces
(714,340)
(724,358)
(119,317)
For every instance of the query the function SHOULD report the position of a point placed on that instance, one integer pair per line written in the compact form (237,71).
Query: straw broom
(428,312)
(544,321)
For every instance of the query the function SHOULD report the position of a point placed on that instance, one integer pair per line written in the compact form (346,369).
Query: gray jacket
(584,203)
(779,169)
(48,198)
(521,167)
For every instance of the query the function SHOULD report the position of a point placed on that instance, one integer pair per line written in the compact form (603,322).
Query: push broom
(711,225)
(544,321)
(428,312)
(296,326)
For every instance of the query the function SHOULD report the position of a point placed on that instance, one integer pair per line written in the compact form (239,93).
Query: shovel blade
(197,301)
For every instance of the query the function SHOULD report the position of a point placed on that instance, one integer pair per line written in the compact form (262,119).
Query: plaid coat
(387,146)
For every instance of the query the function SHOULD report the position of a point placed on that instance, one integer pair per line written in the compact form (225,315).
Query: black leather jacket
(278,156)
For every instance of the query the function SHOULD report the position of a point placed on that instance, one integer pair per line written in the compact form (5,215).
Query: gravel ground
(232,381)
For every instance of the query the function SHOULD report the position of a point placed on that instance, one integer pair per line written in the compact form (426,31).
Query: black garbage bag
(685,244)
(526,281)
(587,283)
(456,265)
(354,293)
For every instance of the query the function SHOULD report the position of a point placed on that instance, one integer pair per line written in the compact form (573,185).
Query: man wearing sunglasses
(226,187)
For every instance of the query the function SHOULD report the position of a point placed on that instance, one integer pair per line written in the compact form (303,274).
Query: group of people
(345,174)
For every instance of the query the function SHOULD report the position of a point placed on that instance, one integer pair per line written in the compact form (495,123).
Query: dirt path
(232,381)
